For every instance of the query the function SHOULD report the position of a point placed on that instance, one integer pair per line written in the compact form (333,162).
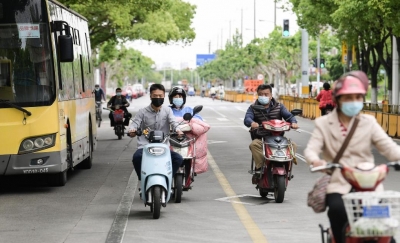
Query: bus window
(5,72)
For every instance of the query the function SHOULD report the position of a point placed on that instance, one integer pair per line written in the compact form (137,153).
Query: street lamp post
(254,19)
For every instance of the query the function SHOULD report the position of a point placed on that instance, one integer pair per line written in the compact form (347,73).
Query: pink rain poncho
(199,130)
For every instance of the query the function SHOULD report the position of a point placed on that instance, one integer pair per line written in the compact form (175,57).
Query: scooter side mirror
(187,116)
(197,109)
(258,107)
(297,112)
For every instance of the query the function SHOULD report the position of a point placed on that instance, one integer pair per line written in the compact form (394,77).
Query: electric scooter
(276,171)
(373,216)
(156,171)
(185,146)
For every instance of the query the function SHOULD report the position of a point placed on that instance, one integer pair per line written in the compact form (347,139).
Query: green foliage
(160,21)
(268,56)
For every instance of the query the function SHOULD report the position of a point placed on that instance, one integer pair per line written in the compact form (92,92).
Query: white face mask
(97,89)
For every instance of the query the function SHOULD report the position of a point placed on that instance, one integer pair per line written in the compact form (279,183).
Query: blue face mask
(178,102)
(263,100)
(351,108)
(119,94)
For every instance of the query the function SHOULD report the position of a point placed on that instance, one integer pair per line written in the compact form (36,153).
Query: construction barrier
(388,116)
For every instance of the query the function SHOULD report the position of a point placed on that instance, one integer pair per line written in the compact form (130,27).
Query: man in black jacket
(119,100)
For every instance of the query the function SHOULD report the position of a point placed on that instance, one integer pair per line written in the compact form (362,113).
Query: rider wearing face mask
(329,134)
(156,117)
(177,99)
(119,100)
(254,118)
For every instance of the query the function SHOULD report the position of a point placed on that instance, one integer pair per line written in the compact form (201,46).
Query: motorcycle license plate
(376,211)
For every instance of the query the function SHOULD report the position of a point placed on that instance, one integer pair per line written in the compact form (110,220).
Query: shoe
(257,171)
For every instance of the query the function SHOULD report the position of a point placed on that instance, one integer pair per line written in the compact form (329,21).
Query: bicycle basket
(118,115)
(373,214)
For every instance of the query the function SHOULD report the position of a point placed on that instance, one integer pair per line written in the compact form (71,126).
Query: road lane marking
(241,109)
(301,130)
(252,229)
(219,113)
(118,227)
(301,157)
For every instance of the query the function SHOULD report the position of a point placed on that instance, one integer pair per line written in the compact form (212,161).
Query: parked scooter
(276,172)
(373,216)
(118,115)
(186,147)
(156,171)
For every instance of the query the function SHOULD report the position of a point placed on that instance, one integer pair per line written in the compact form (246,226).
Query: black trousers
(137,162)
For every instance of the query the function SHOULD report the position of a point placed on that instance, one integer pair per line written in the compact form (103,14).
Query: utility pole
(241,23)
(395,73)
(230,36)
(254,19)
(222,34)
(318,65)
(304,64)
(275,13)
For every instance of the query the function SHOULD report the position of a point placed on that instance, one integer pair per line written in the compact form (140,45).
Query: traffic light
(285,32)
(315,62)
(322,63)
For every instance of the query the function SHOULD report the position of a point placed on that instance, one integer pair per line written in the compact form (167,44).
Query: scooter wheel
(178,187)
(156,202)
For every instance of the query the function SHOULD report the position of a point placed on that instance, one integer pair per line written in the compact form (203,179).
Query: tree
(160,21)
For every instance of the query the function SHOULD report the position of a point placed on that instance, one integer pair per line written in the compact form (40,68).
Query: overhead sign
(202,59)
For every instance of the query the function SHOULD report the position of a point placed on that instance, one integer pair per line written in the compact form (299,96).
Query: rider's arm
(314,145)
(172,121)
(102,95)
(137,120)
(385,144)
(111,101)
(125,102)
(319,96)
(286,114)
(249,117)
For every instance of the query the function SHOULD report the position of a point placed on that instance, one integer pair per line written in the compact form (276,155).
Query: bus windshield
(26,69)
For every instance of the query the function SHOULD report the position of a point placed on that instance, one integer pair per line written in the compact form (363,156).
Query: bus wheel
(59,179)
(87,163)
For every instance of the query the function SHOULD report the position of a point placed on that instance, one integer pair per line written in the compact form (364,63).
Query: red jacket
(325,98)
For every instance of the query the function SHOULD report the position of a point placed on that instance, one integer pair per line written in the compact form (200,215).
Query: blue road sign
(201,59)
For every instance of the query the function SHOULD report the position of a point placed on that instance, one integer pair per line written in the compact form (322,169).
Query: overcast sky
(213,19)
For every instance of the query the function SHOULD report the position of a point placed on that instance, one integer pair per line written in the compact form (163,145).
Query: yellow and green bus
(47,108)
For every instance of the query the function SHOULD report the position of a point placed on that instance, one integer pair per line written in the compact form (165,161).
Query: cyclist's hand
(132,133)
(295,126)
(254,125)
(126,105)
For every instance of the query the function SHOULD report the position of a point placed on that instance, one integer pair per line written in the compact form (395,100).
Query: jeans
(137,162)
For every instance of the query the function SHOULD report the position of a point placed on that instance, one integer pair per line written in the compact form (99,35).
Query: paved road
(95,205)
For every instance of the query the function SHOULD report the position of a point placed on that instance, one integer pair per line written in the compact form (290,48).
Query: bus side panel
(77,100)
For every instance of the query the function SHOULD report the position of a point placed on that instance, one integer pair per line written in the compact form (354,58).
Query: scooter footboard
(161,180)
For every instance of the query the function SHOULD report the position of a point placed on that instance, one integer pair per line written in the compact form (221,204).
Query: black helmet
(177,90)
(327,86)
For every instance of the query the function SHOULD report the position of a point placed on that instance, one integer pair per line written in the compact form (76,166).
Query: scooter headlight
(156,150)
